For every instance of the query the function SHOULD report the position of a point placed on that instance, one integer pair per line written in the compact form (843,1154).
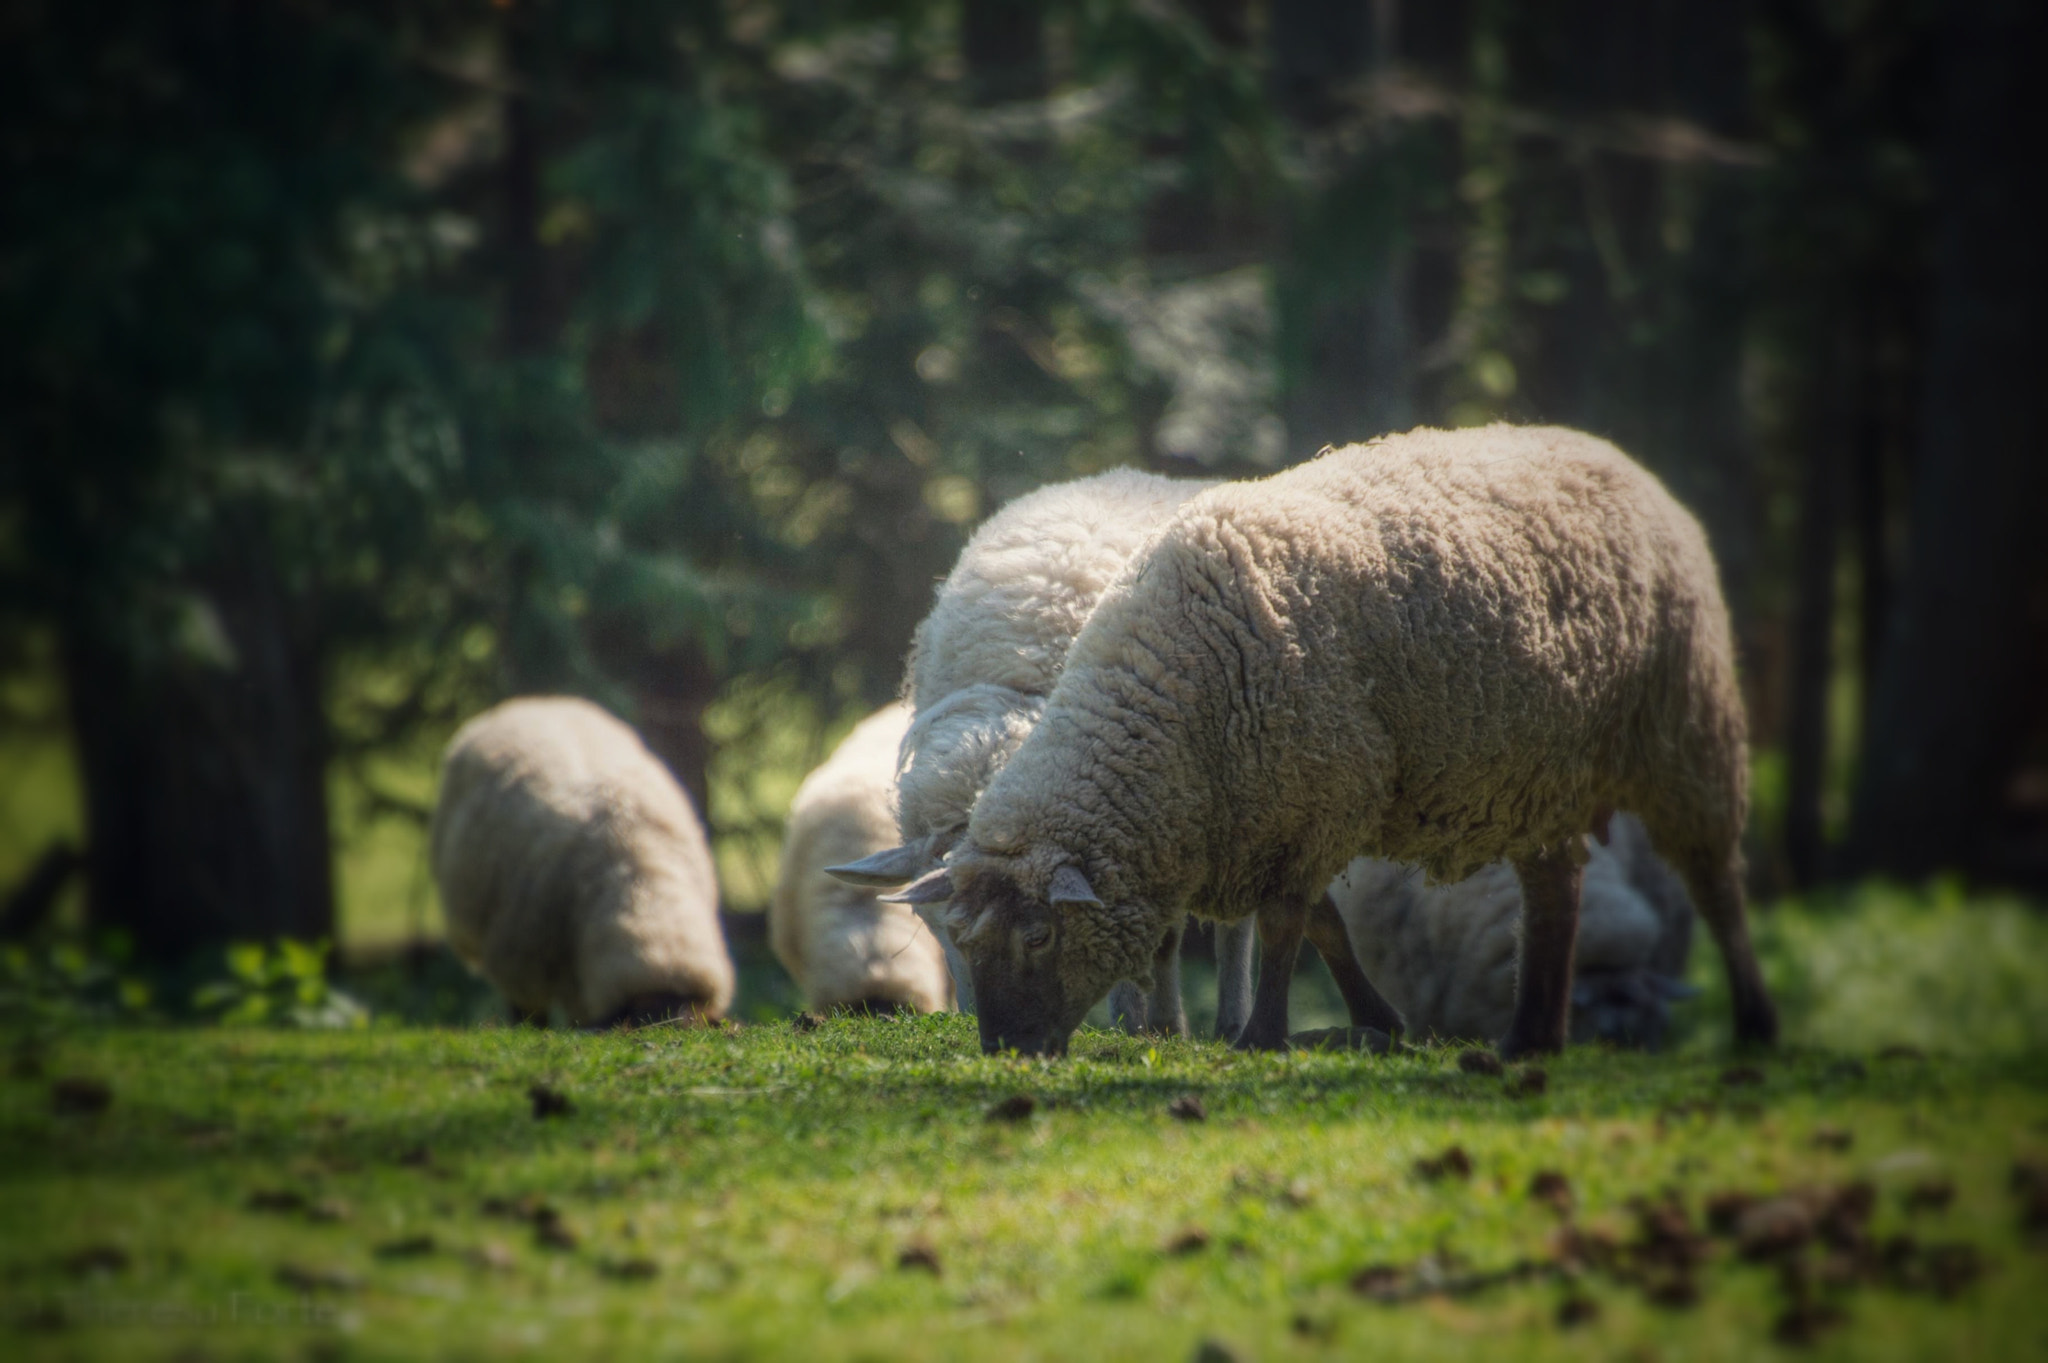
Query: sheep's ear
(1069,886)
(933,887)
(884,870)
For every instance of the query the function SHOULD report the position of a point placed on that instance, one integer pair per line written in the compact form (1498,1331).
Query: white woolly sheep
(572,870)
(836,941)
(983,662)
(1445,648)
(1444,955)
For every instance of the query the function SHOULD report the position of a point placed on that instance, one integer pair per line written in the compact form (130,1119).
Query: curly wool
(1445,955)
(836,941)
(992,647)
(1444,648)
(571,868)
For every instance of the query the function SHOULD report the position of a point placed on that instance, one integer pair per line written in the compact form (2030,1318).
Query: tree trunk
(1816,554)
(1953,684)
(1003,43)
(203,761)
(1354,288)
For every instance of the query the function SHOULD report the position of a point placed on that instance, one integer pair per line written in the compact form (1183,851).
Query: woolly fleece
(836,941)
(1445,955)
(992,647)
(571,867)
(1443,648)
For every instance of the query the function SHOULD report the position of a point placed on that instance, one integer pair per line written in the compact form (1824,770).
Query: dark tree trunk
(1356,291)
(204,769)
(1952,692)
(1816,558)
(1644,345)
(1003,42)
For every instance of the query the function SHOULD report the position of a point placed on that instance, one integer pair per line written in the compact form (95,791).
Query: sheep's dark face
(1038,966)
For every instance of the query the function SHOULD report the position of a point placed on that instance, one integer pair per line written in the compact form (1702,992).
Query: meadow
(867,1188)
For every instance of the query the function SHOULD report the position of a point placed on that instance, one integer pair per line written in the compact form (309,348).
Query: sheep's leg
(1165,1015)
(1332,941)
(1127,1007)
(1550,932)
(1717,893)
(1234,977)
(1280,929)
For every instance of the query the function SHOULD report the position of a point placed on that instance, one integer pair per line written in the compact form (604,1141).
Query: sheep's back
(1445,648)
(1028,579)
(838,942)
(570,864)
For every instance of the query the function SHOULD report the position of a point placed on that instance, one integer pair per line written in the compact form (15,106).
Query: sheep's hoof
(1369,1039)
(1247,1041)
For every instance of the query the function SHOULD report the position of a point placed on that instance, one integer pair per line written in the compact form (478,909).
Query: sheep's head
(1042,947)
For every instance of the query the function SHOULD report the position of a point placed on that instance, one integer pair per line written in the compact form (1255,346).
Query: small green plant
(60,983)
(283,985)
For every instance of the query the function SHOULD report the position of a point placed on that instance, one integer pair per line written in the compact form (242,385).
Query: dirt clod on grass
(918,1257)
(1452,1163)
(1553,1189)
(317,1278)
(284,1200)
(1531,1081)
(1017,1107)
(80,1095)
(1833,1138)
(1929,1195)
(548,1102)
(634,1270)
(96,1260)
(1215,1351)
(406,1247)
(807,1022)
(329,1209)
(1481,1062)
(1575,1310)
(1187,1108)
(550,1231)
(1186,1240)
(1774,1228)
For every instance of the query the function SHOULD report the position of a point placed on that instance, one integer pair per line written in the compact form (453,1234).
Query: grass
(754,1194)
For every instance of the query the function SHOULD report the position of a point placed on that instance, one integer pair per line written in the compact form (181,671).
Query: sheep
(1446,648)
(573,871)
(838,944)
(1445,955)
(982,663)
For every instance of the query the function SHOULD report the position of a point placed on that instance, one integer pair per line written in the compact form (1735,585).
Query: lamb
(573,871)
(1445,955)
(836,941)
(982,663)
(1445,648)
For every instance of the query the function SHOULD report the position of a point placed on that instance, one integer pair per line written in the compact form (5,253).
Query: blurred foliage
(1880,964)
(666,351)
(56,984)
(284,984)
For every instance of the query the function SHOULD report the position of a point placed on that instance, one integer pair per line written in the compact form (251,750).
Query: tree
(1963,653)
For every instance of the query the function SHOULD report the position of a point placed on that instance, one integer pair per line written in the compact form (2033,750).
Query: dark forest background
(367,362)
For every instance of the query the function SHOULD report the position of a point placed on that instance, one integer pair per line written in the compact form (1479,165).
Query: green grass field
(843,1192)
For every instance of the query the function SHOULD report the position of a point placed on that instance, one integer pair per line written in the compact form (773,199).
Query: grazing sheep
(836,941)
(572,870)
(1446,648)
(983,662)
(1445,954)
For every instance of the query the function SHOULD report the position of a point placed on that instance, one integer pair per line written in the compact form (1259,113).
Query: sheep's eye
(1037,937)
